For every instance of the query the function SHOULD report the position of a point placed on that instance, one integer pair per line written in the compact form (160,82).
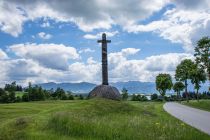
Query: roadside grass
(95,119)
(202,104)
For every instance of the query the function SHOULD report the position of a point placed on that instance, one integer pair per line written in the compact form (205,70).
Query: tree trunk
(186,94)
(197,95)
(177,97)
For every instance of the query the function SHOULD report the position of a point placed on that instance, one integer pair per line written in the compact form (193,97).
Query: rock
(105,91)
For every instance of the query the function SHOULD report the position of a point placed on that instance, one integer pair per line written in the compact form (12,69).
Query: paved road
(195,117)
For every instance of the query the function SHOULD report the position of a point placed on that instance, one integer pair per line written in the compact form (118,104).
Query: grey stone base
(105,91)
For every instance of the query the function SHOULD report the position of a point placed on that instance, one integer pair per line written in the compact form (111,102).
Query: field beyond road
(201,104)
(92,119)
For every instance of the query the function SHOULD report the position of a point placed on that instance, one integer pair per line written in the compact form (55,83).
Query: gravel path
(195,117)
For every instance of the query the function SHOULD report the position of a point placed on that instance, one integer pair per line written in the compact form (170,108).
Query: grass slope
(202,104)
(91,119)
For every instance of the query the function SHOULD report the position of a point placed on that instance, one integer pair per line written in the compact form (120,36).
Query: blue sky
(52,41)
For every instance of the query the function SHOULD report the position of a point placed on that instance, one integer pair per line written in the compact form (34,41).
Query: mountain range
(131,86)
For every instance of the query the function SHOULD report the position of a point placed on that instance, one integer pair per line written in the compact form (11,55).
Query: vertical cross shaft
(104,59)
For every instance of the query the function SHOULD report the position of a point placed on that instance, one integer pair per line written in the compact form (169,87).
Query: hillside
(97,119)
(131,86)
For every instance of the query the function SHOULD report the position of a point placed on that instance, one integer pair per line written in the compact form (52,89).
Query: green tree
(25,97)
(202,53)
(163,83)
(4,98)
(154,96)
(124,94)
(183,71)
(178,87)
(12,97)
(197,76)
(81,97)
(11,87)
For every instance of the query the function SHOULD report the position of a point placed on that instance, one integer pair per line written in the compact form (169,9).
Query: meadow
(201,104)
(95,119)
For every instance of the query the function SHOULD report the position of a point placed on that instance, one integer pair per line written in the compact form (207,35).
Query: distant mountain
(131,86)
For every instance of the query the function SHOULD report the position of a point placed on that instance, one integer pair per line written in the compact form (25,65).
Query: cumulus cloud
(44,35)
(98,35)
(86,50)
(82,13)
(178,26)
(49,55)
(29,68)
(123,69)
(3,55)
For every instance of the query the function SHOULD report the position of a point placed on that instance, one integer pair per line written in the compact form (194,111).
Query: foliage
(139,97)
(202,53)
(124,94)
(163,83)
(183,72)
(81,97)
(178,87)
(154,96)
(197,76)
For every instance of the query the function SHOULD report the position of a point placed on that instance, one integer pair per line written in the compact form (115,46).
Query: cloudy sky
(56,40)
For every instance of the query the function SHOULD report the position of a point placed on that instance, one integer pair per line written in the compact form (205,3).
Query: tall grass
(95,119)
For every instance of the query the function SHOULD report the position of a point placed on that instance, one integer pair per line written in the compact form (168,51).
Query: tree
(202,53)
(183,71)
(178,86)
(4,98)
(163,83)
(81,97)
(124,94)
(59,93)
(12,97)
(25,97)
(154,96)
(11,87)
(197,76)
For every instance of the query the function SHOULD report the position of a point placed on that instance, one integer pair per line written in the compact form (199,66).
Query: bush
(18,99)
(81,97)
(12,97)
(25,97)
(154,96)
(71,97)
(64,97)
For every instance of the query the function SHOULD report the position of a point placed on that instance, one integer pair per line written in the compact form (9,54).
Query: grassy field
(91,120)
(202,104)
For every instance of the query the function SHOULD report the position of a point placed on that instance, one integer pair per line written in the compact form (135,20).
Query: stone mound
(105,91)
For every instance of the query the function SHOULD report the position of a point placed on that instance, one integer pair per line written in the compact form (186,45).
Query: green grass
(91,120)
(202,104)
(19,93)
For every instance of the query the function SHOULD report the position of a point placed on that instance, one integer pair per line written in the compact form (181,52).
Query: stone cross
(104,59)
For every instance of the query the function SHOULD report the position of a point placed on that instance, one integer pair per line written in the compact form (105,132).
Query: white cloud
(3,55)
(43,35)
(86,50)
(49,55)
(123,69)
(178,26)
(98,35)
(38,69)
(82,13)
(45,24)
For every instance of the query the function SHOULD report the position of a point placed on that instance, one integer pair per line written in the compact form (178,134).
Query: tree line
(33,93)
(196,72)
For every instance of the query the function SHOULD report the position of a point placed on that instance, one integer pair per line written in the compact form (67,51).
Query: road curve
(195,117)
